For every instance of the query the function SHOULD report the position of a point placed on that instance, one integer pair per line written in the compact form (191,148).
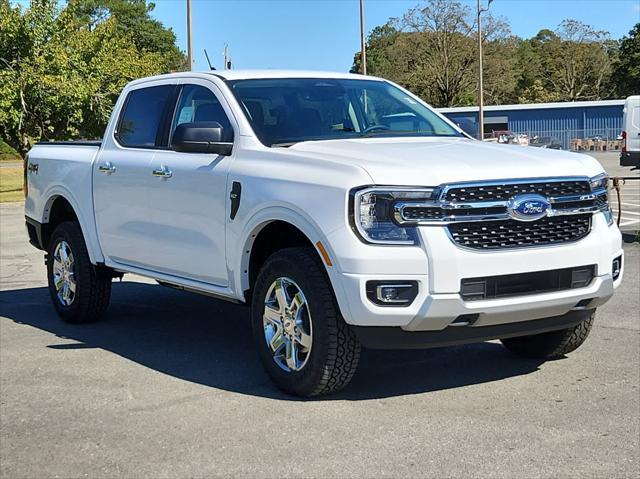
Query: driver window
(199,104)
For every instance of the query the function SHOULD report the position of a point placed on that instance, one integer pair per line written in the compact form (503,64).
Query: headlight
(600,186)
(600,182)
(372,214)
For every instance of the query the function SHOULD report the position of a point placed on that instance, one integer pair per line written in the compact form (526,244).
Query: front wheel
(302,340)
(553,344)
(80,292)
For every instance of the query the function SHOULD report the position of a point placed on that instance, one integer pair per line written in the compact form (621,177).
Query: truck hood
(434,161)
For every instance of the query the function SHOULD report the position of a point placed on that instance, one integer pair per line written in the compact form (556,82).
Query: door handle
(162,172)
(107,168)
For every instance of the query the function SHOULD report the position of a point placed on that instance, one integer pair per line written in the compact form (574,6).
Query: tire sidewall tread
(335,351)
(551,345)
(93,289)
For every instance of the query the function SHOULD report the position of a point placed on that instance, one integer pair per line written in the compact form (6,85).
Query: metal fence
(604,139)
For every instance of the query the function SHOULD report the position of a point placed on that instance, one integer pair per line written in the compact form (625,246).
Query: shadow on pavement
(208,341)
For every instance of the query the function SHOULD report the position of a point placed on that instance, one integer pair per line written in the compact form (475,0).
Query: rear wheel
(553,344)
(302,340)
(79,291)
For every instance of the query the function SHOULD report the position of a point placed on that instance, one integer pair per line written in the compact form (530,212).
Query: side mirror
(200,137)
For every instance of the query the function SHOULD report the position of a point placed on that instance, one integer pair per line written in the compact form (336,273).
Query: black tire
(335,351)
(93,287)
(553,344)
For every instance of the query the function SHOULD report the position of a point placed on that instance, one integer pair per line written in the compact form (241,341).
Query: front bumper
(440,265)
(398,338)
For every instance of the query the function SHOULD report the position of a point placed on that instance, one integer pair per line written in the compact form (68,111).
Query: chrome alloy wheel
(287,324)
(64,279)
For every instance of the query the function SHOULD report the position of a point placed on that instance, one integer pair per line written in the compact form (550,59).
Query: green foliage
(627,66)
(7,153)
(432,50)
(574,63)
(537,93)
(133,19)
(60,75)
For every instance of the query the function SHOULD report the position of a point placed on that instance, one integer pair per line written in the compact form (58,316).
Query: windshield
(286,111)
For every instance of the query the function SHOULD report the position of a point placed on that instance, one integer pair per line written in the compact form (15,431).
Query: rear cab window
(141,119)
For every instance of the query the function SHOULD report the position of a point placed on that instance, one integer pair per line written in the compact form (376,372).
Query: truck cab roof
(255,74)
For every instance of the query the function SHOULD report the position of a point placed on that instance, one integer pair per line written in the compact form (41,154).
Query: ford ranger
(343,209)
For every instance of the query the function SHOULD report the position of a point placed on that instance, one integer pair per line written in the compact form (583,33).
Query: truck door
(122,176)
(189,198)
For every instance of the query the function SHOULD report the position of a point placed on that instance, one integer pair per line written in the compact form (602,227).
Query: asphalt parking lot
(629,191)
(168,385)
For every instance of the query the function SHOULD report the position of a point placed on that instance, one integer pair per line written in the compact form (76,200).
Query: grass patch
(11,184)
(7,153)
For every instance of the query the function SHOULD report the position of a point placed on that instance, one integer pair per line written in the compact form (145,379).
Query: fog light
(392,293)
(389,294)
(616,267)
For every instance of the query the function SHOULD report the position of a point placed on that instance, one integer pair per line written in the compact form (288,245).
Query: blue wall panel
(563,123)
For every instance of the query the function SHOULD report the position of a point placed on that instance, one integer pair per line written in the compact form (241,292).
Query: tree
(59,78)
(574,61)
(627,66)
(501,71)
(432,50)
(379,41)
(536,93)
(133,18)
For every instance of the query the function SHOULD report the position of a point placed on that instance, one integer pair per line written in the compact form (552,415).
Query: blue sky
(324,34)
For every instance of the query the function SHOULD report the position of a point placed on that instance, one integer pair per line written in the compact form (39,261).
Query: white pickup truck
(342,208)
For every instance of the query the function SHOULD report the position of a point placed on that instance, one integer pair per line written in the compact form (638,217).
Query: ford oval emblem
(528,207)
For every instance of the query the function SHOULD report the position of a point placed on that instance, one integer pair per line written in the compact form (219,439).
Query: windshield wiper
(285,144)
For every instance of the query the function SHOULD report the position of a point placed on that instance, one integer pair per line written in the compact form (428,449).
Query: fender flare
(87,227)
(297,218)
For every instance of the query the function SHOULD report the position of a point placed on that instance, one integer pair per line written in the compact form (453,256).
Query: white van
(630,153)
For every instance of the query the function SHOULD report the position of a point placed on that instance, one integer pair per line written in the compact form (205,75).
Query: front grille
(430,213)
(417,213)
(504,192)
(492,287)
(489,235)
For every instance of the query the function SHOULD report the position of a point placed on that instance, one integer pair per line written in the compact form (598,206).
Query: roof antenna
(211,67)
(227,60)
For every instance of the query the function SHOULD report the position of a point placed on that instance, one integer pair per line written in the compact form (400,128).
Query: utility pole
(480,86)
(189,44)
(363,46)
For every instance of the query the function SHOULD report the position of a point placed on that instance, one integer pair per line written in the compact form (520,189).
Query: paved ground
(168,385)
(630,191)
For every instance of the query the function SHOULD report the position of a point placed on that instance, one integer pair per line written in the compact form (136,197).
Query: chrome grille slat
(477,214)
(502,192)
(502,234)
